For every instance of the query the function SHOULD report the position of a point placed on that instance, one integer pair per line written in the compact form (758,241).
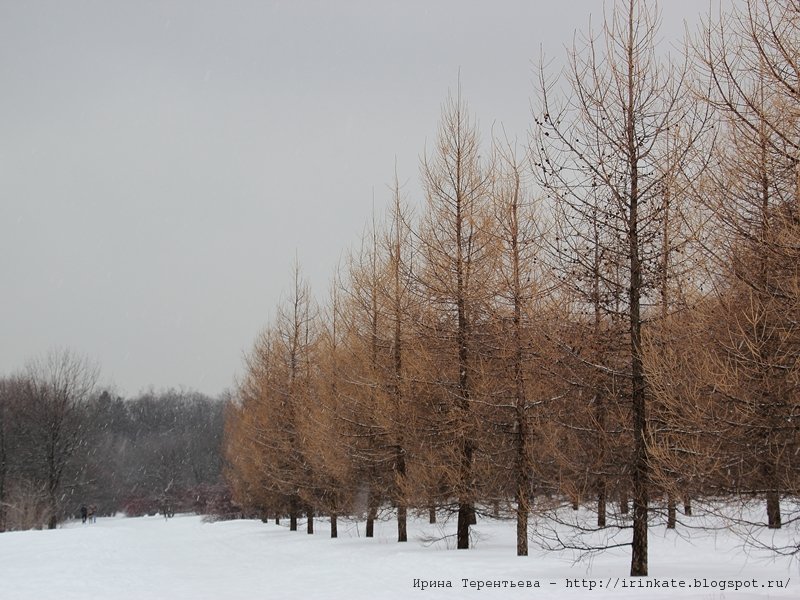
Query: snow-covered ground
(185,558)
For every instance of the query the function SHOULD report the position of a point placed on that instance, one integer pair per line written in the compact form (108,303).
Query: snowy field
(186,558)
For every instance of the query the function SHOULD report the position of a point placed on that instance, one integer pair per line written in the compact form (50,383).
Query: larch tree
(329,444)
(605,142)
(455,265)
(752,60)
(519,230)
(295,343)
(256,442)
(367,346)
(268,427)
(396,302)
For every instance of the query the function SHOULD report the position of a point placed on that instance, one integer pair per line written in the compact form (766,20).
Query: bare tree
(11,393)
(58,385)
(605,143)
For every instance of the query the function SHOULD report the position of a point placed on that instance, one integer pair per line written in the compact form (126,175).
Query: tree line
(64,442)
(604,315)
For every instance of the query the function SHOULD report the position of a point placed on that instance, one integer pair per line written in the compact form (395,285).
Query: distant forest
(64,444)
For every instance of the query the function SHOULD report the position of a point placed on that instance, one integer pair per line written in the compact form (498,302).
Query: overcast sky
(161,162)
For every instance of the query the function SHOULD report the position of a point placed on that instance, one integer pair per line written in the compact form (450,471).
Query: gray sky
(161,162)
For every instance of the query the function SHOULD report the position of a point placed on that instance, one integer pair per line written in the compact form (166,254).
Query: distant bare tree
(12,391)
(59,384)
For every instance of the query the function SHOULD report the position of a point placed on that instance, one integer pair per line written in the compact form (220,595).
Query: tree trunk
(466,512)
(310,522)
(402,511)
(334,526)
(462,527)
(601,502)
(687,505)
(773,510)
(639,543)
(600,413)
(523,476)
(431,515)
(52,520)
(293,514)
(402,526)
(372,513)
(624,506)
(523,466)
(671,513)
(640,458)
(370,527)
(53,477)
(523,508)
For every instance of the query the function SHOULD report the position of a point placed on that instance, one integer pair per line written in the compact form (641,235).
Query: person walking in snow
(84,513)
(92,511)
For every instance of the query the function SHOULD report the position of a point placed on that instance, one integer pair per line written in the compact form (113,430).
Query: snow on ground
(185,558)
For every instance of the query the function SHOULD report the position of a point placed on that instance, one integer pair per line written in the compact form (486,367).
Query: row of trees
(64,442)
(610,313)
